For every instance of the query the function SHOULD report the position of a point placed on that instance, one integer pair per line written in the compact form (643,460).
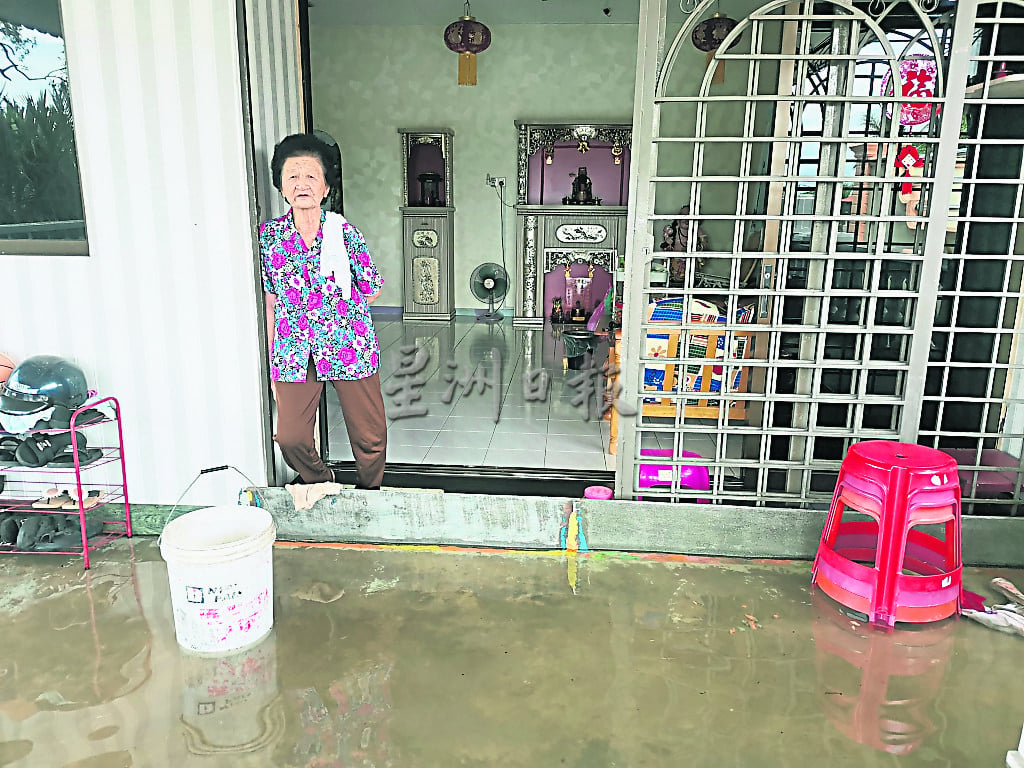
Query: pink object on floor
(597,492)
(884,566)
(692,476)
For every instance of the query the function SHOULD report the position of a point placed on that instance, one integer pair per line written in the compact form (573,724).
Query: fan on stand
(489,282)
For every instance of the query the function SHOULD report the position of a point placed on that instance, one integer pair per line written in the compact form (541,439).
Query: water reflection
(351,727)
(97,647)
(878,687)
(230,703)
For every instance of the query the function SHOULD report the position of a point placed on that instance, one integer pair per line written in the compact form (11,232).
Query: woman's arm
(270,300)
(364,272)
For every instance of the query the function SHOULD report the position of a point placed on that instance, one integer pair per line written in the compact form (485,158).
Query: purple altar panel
(424,158)
(548,184)
(554,285)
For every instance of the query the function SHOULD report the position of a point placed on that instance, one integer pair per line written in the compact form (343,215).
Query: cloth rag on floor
(334,255)
(1003,618)
(1008,618)
(305,496)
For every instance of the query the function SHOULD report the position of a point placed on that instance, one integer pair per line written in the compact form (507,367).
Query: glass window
(40,192)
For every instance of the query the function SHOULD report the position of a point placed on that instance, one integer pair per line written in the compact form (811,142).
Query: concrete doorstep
(408,516)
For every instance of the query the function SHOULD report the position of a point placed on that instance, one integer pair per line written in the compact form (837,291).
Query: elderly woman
(319,281)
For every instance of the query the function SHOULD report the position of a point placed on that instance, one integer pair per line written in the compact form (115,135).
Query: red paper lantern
(467,37)
(918,78)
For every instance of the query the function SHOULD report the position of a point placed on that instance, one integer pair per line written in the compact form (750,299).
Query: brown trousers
(362,407)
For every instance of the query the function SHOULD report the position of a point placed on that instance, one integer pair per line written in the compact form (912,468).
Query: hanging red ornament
(918,76)
(908,164)
(467,37)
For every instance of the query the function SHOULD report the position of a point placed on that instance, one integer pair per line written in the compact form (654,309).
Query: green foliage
(39,181)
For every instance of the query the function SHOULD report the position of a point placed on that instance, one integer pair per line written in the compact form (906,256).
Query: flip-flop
(92,499)
(55,501)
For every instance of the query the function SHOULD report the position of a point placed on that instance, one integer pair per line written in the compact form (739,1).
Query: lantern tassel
(467,69)
(719,74)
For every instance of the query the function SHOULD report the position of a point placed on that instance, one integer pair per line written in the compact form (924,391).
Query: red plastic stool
(884,567)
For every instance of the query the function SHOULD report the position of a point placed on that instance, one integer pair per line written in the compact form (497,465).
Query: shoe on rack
(68,538)
(33,529)
(92,499)
(9,527)
(53,499)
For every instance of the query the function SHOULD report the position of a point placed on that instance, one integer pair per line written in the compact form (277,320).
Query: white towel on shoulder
(334,255)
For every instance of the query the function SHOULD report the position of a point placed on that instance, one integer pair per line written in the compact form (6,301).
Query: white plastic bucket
(221,571)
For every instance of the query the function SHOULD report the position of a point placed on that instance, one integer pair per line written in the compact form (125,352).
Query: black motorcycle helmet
(41,382)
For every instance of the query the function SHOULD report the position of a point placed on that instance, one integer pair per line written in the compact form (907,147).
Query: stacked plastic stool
(885,566)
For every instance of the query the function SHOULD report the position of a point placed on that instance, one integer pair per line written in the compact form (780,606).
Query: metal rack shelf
(24,486)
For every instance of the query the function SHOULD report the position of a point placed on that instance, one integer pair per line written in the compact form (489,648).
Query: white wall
(163,312)
(369,81)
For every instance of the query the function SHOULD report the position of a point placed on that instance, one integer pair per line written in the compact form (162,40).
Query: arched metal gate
(847,178)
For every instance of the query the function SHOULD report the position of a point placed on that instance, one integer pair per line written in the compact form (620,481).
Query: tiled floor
(555,431)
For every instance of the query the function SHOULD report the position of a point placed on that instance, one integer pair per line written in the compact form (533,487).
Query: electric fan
(489,282)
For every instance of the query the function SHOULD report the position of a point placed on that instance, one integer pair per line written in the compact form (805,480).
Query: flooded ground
(396,657)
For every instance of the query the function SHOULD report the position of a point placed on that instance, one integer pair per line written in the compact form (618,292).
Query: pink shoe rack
(104,476)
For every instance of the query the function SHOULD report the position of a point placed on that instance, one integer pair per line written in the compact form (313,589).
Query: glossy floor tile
(472,416)
(397,657)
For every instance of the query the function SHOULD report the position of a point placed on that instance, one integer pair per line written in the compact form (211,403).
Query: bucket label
(220,593)
(242,617)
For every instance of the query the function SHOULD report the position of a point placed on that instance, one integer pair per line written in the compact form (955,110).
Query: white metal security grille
(851,176)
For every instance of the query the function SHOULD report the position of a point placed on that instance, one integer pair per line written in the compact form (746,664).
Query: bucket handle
(195,480)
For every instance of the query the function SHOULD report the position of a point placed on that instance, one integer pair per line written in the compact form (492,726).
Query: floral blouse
(311,317)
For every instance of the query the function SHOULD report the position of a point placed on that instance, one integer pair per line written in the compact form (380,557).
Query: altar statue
(582,190)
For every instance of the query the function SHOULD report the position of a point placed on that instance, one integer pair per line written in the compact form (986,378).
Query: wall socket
(495,181)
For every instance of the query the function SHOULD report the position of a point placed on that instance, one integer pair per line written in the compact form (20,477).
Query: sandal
(33,529)
(92,499)
(53,499)
(85,456)
(9,528)
(69,538)
(38,451)
(9,448)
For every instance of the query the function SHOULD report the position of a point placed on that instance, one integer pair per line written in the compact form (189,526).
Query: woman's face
(302,182)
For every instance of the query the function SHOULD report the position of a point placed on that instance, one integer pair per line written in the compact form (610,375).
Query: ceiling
(442,12)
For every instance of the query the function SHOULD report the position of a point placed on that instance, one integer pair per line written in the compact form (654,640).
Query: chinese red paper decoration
(467,37)
(908,164)
(918,79)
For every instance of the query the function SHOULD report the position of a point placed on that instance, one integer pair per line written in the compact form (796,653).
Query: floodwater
(384,656)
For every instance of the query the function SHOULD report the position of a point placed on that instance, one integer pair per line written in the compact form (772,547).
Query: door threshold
(506,481)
